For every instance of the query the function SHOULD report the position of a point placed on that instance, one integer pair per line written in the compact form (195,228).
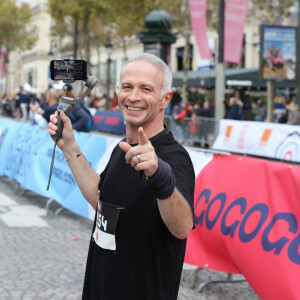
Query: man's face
(139,94)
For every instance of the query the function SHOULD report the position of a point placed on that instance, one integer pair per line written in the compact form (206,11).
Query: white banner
(264,139)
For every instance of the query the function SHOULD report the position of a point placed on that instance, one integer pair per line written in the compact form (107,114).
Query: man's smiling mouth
(134,108)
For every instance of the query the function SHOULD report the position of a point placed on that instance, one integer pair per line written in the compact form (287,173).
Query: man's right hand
(67,139)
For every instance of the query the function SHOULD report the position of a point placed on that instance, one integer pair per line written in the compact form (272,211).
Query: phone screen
(68,69)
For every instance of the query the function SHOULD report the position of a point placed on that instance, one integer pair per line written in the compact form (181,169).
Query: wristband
(162,182)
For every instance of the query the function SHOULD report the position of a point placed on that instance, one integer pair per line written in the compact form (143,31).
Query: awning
(234,78)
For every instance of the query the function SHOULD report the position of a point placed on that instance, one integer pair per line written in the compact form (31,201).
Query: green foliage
(15,32)
(271,10)
(86,13)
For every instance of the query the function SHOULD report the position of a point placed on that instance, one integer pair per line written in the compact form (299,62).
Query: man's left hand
(141,157)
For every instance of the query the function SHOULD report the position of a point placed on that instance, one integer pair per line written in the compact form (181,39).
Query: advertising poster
(278,53)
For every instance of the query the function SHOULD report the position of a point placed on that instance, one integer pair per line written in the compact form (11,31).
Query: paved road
(43,254)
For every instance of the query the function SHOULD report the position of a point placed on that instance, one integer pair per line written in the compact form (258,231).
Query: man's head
(145,92)
(67,89)
(157,62)
(52,97)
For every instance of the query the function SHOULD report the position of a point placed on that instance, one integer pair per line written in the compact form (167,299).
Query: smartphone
(68,69)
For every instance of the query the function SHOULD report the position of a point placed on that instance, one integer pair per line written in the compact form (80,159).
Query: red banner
(247,217)
(198,20)
(3,61)
(235,18)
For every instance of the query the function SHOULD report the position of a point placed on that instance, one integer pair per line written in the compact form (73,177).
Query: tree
(15,30)
(84,12)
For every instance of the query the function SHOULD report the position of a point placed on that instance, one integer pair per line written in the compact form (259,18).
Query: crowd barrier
(247,218)
(264,139)
(198,132)
(25,156)
(247,211)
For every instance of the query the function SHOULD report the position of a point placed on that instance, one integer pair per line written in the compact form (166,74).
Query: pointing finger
(143,140)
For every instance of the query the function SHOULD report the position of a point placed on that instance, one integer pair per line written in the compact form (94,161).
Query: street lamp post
(108,47)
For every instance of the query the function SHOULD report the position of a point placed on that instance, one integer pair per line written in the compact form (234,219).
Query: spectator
(293,114)
(259,111)
(183,121)
(22,100)
(199,115)
(177,129)
(81,117)
(235,108)
(42,114)
(114,102)
(283,117)
(7,106)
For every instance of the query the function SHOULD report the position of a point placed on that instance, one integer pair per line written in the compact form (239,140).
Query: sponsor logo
(228,132)
(289,148)
(265,137)
(235,218)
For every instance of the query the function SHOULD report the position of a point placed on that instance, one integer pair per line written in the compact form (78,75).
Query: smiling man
(144,197)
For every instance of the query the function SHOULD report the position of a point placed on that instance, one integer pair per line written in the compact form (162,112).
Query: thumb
(66,120)
(124,146)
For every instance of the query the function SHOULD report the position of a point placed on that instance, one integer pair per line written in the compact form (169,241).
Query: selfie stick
(67,106)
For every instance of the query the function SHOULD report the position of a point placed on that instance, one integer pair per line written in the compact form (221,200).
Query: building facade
(32,66)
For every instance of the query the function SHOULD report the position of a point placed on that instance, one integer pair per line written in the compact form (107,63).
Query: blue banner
(25,156)
(109,121)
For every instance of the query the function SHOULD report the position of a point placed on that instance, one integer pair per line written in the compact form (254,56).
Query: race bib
(106,224)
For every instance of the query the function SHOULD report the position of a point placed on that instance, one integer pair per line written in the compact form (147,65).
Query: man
(22,100)
(42,114)
(145,209)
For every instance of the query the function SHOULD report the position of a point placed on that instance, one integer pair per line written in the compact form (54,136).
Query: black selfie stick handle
(60,127)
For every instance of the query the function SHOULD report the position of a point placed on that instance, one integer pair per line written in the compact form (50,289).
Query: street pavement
(43,250)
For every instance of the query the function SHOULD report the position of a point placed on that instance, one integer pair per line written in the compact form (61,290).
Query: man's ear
(166,99)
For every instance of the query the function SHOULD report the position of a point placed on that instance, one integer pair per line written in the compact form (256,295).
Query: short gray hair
(157,62)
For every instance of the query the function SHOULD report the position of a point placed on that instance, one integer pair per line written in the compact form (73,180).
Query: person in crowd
(144,210)
(200,115)
(7,106)
(259,111)
(183,119)
(114,102)
(226,106)
(42,114)
(283,116)
(81,117)
(235,108)
(22,101)
(293,113)
(178,133)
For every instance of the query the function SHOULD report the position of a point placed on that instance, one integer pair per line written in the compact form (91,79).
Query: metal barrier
(198,131)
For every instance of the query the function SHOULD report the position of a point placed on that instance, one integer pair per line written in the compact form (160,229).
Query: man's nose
(134,95)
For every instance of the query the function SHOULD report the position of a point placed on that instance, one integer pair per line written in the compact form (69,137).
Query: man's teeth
(134,108)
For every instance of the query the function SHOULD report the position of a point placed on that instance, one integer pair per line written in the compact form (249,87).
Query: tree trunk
(86,30)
